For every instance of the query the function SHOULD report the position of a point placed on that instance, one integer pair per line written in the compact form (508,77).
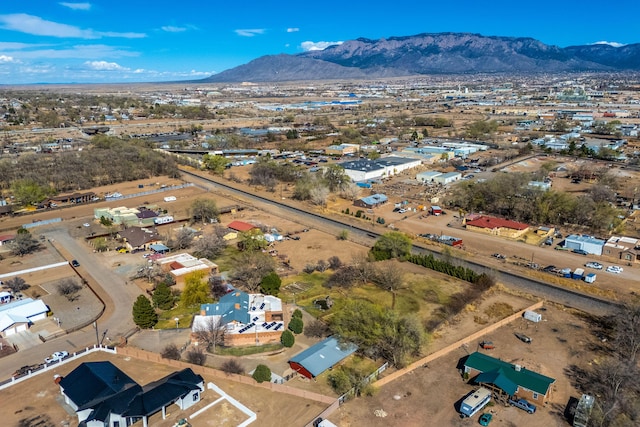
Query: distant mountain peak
(435,53)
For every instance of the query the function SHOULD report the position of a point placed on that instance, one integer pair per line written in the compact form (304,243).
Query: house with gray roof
(104,396)
(507,380)
(318,358)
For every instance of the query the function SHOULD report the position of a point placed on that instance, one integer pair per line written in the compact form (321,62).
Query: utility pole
(95,326)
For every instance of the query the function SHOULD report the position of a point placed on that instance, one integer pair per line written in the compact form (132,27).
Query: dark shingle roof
(92,382)
(103,387)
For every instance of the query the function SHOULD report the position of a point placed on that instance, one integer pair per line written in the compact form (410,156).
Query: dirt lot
(37,402)
(428,395)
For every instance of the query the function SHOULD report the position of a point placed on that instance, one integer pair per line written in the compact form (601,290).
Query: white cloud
(77,51)
(172,29)
(614,44)
(293,30)
(76,6)
(37,26)
(104,66)
(5,58)
(308,45)
(249,32)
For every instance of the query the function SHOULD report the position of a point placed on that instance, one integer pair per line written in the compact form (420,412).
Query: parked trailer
(475,402)
(532,316)
(163,220)
(578,274)
(590,278)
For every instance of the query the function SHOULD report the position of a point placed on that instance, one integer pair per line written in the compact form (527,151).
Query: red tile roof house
(241,226)
(498,227)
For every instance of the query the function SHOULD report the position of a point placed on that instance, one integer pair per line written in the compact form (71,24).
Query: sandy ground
(37,402)
(431,392)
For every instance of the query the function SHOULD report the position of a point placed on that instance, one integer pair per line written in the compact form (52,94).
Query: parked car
(523,404)
(485,419)
(56,357)
(580,252)
(487,345)
(594,264)
(499,256)
(523,337)
(75,263)
(614,269)
(25,370)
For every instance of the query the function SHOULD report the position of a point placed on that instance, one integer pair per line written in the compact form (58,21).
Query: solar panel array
(246,328)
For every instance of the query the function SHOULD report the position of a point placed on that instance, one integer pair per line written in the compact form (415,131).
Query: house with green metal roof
(506,379)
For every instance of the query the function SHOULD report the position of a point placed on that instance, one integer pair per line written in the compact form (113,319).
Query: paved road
(512,279)
(116,320)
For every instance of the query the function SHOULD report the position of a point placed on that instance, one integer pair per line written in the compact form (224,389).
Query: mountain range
(437,53)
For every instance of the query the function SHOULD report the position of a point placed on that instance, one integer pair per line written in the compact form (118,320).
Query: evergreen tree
(262,373)
(143,313)
(297,313)
(162,297)
(287,338)
(296,325)
(270,284)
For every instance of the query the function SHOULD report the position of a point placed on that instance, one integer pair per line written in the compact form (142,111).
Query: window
(196,396)
(535,396)
(116,424)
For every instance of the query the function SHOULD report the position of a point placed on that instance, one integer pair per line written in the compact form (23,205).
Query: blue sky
(44,41)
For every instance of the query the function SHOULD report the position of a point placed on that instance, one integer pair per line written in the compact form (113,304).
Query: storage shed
(532,315)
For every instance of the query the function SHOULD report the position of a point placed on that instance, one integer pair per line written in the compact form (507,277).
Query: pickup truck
(523,404)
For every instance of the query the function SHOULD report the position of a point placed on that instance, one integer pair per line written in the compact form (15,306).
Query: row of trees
(33,177)
(510,195)
(613,381)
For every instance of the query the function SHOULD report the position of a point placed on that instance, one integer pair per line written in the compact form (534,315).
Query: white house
(18,315)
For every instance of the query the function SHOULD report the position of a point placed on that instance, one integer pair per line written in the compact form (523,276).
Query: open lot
(428,395)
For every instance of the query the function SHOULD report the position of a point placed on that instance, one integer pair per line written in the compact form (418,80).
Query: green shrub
(262,374)
(287,338)
(296,325)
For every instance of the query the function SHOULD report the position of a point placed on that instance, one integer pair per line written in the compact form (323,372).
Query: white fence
(39,369)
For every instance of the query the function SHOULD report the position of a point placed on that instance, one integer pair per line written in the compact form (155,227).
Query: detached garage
(17,316)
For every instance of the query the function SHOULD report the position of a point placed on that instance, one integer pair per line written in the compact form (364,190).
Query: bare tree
(364,267)
(218,286)
(171,351)
(232,366)
(250,267)
(196,356)
(24,244)
(210,331)
(319,195)
(350,191)
(182,239)
(316,329)
(627,333)
(17,284)
(388,276)
(209,246)
(69,288)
